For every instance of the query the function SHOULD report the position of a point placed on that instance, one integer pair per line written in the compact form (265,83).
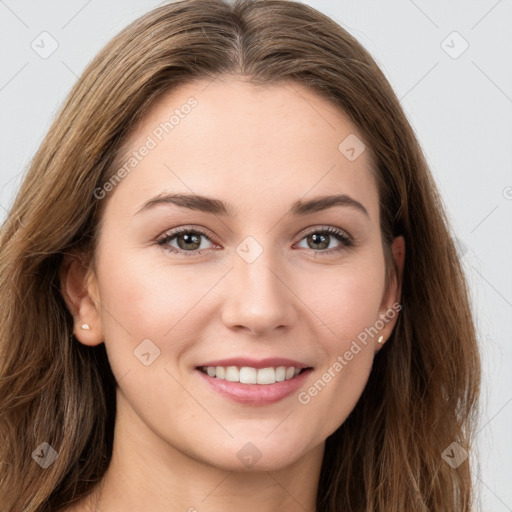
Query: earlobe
(78,287)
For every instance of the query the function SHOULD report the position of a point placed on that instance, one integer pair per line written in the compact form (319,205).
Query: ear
(79,287)
(390,306)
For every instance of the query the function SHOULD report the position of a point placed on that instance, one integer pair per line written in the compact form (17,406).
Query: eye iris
(189,238)
(317,238)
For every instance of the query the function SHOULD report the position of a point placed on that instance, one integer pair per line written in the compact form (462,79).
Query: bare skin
(177,442)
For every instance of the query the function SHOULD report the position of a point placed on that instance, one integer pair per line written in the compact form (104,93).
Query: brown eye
(320,239)
(188,241)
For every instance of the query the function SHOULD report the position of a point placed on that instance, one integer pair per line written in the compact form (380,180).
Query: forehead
(233,139)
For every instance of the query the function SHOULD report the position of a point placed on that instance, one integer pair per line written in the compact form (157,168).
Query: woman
(228,282)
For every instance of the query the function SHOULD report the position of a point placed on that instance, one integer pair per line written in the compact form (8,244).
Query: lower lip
(256,394)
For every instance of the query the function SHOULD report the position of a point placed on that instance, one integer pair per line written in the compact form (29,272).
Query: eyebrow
(217,207)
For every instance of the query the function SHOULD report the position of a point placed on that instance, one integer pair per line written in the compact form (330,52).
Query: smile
(249,375)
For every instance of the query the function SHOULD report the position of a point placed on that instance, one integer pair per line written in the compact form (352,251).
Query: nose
(258,299)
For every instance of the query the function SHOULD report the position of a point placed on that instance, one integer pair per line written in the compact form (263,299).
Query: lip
(256,394)
(255,363)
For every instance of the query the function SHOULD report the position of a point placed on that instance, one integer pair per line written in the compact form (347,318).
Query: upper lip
(255,363)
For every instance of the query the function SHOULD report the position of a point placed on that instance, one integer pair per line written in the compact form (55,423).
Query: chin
(256,453)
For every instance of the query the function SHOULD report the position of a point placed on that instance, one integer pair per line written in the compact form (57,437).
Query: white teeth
(266,376)
(249,375)
(232,374)
(280,373)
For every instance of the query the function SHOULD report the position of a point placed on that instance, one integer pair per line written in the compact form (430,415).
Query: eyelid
(185,229)
(322,228)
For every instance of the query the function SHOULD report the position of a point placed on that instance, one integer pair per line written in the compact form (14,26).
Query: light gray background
(460,108)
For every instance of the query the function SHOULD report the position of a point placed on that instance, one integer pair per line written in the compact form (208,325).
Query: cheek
(146,296)
(338,385)
(345,299)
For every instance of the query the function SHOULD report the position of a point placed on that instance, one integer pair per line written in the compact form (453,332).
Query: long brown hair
(423,390)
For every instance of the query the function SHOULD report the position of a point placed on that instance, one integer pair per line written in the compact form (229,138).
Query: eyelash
(339,235)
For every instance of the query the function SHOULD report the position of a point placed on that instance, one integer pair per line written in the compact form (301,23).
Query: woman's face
(269,282)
